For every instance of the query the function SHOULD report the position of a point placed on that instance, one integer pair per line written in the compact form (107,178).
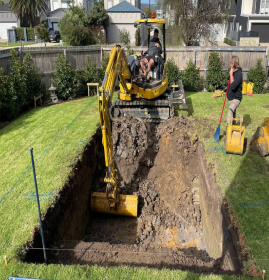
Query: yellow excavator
(148,99)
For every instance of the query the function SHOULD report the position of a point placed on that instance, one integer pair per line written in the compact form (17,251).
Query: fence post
(25,35)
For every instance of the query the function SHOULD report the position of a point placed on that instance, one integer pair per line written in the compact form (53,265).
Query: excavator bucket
(235,138)
(127,205)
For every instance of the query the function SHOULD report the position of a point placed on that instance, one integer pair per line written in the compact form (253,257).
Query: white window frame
(263,7)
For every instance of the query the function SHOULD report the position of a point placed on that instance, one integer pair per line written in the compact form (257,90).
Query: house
(249,18)
(111,3)
(122,16)
(54,17)
(58,4)
(7,21)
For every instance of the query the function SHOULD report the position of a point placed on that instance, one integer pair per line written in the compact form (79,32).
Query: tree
(1,2)
(42,32)
(27,9)
(148,11)
(73,27)
(98,16)
(65,78)
(216,78)
(196,19)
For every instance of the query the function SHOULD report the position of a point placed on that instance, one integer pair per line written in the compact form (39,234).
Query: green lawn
(58,135)
(243,179)
(4,45)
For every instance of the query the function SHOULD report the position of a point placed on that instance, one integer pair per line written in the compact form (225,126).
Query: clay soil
(158,163)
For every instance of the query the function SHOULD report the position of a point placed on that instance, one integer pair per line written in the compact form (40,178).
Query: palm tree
(28,9)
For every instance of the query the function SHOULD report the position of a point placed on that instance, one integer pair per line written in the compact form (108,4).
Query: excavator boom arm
(111,202)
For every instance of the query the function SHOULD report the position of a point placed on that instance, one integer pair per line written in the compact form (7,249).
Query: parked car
(55,36)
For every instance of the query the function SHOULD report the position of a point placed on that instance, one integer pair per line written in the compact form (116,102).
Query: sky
(147,1)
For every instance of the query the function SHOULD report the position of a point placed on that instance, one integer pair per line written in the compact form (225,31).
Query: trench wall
(70,216)
(221,238)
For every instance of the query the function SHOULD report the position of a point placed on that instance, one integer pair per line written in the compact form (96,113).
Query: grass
(4,45)
(243,179)
(58,135)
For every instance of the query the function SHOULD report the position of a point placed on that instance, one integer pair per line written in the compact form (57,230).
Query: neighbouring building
(110,3)
(249,19)
(54,17)
(122,16)
(7,21)
(63,4)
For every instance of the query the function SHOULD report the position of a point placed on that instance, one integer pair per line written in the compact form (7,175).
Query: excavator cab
(150,24)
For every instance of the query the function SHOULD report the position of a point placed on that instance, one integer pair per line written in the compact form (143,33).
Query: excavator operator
(155,48)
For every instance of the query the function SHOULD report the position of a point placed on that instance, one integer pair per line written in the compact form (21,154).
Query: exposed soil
(160,164)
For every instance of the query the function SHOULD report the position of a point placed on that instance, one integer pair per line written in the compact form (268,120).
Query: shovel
(217,133)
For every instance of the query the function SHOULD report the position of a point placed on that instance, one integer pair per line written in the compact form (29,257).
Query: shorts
(149,57)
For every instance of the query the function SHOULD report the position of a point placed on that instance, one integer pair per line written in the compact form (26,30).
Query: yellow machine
(248,88)
(235,136)
(260,140)
(217,93)
(149,99)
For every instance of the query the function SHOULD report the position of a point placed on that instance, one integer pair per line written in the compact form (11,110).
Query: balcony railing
(236,35)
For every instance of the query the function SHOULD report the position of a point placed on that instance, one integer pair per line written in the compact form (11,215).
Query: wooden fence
(5,57)
(248,56)
(45,58)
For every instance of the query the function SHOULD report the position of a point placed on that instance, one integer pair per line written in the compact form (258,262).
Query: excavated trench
(182,219)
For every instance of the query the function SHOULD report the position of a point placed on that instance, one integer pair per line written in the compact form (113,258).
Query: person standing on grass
(235,89)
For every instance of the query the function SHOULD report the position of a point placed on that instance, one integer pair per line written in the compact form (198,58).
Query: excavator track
(154,110)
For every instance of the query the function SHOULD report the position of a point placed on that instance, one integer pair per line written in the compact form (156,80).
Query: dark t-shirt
(153,50)
(235,88)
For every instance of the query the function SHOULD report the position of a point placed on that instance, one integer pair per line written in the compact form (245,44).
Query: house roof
(124,7)
(4,8)
(58,13)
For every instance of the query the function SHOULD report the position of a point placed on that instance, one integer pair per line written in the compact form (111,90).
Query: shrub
(191,78)
(42,32)
(124,36)
(90,74)
(257,76)
(215,78)
(18,88)
(30,34)
(75,16)
(79,35)
(17,82)
(172,72)
(137,36)
(229,42)
(19,32)
(7,101)
(34,83)
(65,78)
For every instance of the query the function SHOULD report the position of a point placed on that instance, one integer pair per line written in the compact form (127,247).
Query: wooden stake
(263,274)
(5,260)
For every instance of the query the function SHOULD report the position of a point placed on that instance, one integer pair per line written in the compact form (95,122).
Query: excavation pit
(182,220)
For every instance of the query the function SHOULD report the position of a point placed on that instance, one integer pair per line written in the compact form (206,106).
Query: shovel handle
(224,101)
